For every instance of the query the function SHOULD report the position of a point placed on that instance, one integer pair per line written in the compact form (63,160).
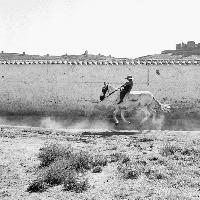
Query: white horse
(137,100)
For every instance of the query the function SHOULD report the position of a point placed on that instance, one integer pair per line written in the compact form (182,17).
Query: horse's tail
(163,107)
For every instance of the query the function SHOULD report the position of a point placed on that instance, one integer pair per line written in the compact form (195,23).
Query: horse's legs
(156,122)
(123,118)
(151,110)
(147,114)
(114,116)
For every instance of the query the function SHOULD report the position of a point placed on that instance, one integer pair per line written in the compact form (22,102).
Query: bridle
(105,90)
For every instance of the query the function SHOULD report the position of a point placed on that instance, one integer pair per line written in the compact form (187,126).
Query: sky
(121,28)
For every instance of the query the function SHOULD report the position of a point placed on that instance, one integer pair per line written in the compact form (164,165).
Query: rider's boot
(121,100)
(122,95)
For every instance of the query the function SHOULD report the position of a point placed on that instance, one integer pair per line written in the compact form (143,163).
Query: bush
(98,160)
(130,170)
(190,151)
(81,161)
(76,183)
(115,157)
(52,152)
(56,172)
(62,165)
(168,150)
(37,186)
(124,158)
(97,169)
(129,173)
(152,173)
(185,150)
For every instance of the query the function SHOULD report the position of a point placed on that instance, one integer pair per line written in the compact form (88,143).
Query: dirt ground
(180,173)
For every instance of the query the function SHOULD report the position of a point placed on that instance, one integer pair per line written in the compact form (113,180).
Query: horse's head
(103,92)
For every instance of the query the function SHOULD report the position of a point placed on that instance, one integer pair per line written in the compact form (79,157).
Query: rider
(126,88)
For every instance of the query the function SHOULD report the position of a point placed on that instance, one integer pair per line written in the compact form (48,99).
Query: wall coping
(93,62)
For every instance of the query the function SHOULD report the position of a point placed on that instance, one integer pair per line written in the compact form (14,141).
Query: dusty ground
(180,172)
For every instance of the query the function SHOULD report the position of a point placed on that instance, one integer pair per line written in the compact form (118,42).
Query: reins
(111,93)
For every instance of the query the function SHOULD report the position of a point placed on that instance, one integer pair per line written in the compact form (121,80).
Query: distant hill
(169,57)
(82,57)
(92,57)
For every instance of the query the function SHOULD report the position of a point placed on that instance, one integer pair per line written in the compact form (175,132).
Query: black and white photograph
(99,100)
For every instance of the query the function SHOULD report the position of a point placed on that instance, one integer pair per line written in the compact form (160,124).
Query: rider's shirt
(128,86)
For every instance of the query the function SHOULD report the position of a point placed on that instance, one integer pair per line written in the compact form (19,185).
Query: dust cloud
(52,122)
(156,122)
(182,124)
(55,122)
(48,122)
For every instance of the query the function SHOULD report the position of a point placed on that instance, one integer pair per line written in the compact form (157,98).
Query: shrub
(124,158)
(62,165)
(168,150)
(115,157)
(130,170)
(130,173)
(98,160)
(80,161)
(37,186)
(50,153)
(76,183)
(190,151)
(97,169)
(56,172)
(152,173)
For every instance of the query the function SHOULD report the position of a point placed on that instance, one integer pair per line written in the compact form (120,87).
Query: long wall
(74,89)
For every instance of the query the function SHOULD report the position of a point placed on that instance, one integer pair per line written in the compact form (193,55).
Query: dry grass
(50,153)
(75,183)
(169,149)
(117,156)
(61,164)
(130,170)
(155,165)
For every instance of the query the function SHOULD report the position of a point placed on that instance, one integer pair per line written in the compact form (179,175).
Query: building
(183,46)
(189,48)
(190,45)
(178,46)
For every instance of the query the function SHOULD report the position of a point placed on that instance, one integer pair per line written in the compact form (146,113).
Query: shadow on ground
(110,133)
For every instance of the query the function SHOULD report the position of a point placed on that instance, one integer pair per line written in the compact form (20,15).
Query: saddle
(133,98)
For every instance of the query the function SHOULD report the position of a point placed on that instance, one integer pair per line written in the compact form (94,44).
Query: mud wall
(74,89)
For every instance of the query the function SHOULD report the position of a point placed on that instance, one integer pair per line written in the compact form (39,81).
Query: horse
(135,100)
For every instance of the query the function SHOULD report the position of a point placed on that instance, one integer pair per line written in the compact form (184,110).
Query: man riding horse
(136,100)
(126,88)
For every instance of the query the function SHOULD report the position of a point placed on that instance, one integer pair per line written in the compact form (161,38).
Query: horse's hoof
(116,123)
